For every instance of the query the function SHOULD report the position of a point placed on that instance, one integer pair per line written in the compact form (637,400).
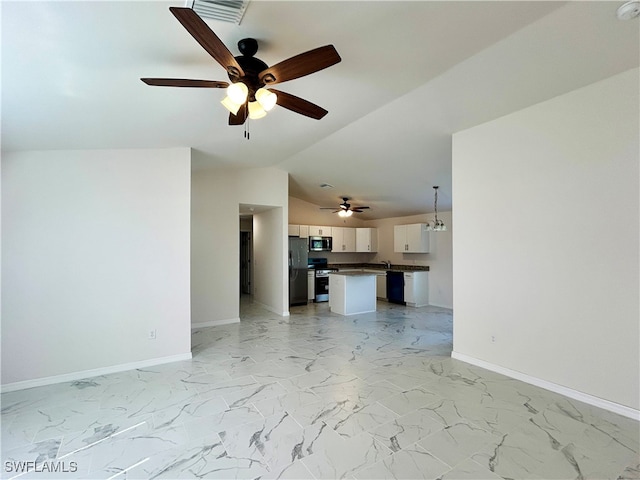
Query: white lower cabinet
(381,286)
(416,289)
(351,294)
(311,285)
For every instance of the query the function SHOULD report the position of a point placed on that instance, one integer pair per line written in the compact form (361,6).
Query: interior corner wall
(215,249)
(546,244)
(439,258)
(95,254)
(269,187)
(268,259)
(215,231)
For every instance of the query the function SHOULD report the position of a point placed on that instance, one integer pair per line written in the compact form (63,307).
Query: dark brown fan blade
(359,208)
(240,117)
(299,105)
(300,65)
(207,39)
(184,82)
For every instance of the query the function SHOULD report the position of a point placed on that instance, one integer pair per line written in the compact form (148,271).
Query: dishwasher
(395,287)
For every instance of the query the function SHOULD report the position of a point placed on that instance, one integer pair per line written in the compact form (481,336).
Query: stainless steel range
(321,283)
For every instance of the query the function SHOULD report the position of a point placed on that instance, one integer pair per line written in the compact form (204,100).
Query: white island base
(352,292)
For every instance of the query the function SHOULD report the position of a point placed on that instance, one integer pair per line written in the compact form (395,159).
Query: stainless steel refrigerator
(298,253)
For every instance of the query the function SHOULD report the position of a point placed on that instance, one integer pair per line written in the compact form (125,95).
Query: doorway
(245,263)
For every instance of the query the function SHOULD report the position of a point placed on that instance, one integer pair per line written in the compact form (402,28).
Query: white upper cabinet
(413,238)
(304,231)
(316,231)
(294,230)
(344,239)
(366,239)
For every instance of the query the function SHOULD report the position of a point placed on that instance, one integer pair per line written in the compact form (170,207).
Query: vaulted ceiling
(412,73)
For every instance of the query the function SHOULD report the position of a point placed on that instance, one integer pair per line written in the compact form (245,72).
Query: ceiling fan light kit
(266,99)
(345,209)
(247,95)
(256,111)
(238,92)
(230,105)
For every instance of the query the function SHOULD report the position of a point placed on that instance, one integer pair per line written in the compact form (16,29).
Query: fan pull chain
(246,129)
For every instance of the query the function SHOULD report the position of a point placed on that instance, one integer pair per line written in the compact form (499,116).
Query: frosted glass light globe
(238,92)
(266,98)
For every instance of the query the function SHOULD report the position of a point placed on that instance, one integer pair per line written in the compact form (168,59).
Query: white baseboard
(271,309)
(215,323)
(448,307)
(554,387)
(96,372)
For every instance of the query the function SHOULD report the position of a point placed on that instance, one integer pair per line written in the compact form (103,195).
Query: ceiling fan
(247,95)
(345,209)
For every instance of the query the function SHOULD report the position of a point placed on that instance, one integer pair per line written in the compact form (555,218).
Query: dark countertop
(380,266)
(355,274)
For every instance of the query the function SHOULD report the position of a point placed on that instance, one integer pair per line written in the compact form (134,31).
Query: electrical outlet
(152,334)
(493,339)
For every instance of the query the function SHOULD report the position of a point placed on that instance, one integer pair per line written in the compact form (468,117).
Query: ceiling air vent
(224,10)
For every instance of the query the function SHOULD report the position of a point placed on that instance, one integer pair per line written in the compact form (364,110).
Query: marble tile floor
(314,395)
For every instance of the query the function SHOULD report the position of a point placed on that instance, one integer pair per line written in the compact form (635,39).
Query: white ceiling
(412,73)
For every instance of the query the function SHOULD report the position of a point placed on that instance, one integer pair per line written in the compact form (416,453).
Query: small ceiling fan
(345,209)
(246,94)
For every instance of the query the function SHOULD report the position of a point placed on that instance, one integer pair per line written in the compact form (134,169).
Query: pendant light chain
(438,225)
(435,204)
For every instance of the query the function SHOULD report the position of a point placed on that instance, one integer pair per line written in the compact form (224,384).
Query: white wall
(439,258)
(95,253)
(546,244)
(270,186)
(216,196)
(215,249)
(268,258)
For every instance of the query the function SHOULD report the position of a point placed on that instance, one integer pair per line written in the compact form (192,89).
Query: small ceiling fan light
(266,98)
(238,92)
(256,111)
(230,105)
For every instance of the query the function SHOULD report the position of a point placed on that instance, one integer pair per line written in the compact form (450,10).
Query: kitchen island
(351,293)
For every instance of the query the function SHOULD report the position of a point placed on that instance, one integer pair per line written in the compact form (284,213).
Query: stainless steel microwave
(319,244)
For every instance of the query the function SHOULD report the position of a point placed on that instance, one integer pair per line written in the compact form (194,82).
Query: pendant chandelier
(436,225)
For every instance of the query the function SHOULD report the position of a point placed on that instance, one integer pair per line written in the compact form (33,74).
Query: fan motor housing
(251,66)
